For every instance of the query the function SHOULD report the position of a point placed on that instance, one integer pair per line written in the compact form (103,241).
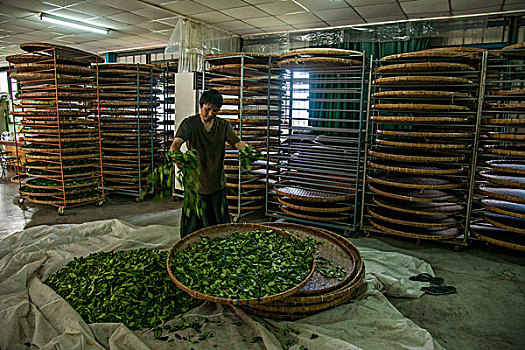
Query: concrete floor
(488,312)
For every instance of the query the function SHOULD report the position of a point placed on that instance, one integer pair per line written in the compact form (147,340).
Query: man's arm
(176,144)
(240,145)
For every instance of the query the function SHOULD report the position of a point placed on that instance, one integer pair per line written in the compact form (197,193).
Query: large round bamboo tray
(514,51)
(429,157)
(254,113)
(415,168)
(418,120)
(54,131)
(236,81)
(256,101)
(53,121)
(419,107)
(295,191)
(512,92)
(57,175)
(132,95)
(126,156)
(129,103)
(129,119)
(509,223)
(225,230)
(133,179)
(144,81)
(68,201)
(449,95)
(334,247)
(63,157)
(393,216)
(119,186)
(127,111)
(39,78)
(425,67)
(326,207)
(506,136)
(55,166)
(510,107)
(248,90)
(130,66)
(61,51)
(246,207)
(128,149)
(513,151)
(59,185)
(45,114)
(64,150)
(235,57)
(251,121)
(132,88)
(126,126)
(506,122)
(111,171)
(439,209)
(60,68)
(246,198)
(286,311)
(503,179)
(318,62)
(426,145)
(418,182)
(508,166)
(314,216)
(422,80)
(126,72)
(247,69)
(51,192)
(39,59)
(135,135)
(414,195)
(500,237)
(436,53)
(415,232)
(515,195)
(429,134)
(253,184)
(516,210)
(320,51)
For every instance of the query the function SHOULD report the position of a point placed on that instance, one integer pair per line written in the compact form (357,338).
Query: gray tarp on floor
(33,314)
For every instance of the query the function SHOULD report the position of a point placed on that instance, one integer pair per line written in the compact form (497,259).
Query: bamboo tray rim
(309,195)
(390,182)
(449,198)
(412,223)
(406,170)
(224,230)
(340,209)
(499,242)
(412,235)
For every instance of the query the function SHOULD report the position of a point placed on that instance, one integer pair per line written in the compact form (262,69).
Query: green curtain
(332,105)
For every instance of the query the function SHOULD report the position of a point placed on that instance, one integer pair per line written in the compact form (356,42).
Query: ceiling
(142,24)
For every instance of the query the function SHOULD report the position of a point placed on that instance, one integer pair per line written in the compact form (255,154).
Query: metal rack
(250,105)
(422,137)
(319,159)
(167,85)
(56,110)
(131,141)
(499,203)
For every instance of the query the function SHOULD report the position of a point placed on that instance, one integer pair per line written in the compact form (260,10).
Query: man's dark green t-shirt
(210,149)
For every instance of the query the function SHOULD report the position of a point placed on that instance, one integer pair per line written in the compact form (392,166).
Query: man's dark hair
(212,97)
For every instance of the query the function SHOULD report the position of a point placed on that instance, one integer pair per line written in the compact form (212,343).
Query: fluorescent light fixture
(66,22)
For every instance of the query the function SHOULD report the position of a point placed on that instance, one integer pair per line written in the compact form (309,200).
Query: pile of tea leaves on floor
(131,287)
(244,265)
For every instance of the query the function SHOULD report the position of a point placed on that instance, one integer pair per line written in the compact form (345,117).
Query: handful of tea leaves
(130,287)
(244,265)
(248,155)
(188,177)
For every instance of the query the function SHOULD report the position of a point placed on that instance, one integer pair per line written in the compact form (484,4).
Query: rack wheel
(61,211)
(137,199)
(21,200)
(100,203)
(368,234)
(458,247)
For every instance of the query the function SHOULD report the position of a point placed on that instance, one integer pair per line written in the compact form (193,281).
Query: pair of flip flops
(436,287)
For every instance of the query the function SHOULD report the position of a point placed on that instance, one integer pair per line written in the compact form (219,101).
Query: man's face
(209,111)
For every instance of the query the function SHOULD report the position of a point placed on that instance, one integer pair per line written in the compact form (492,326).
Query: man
(206,136)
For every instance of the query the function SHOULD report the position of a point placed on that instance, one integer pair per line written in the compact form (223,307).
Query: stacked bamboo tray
(424,107)
(250,105)
(320,293)
(501,178)
(130,139)
(58,112)
(321,122)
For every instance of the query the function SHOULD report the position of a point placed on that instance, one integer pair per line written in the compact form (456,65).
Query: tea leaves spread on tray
(244,265)
(130,287)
